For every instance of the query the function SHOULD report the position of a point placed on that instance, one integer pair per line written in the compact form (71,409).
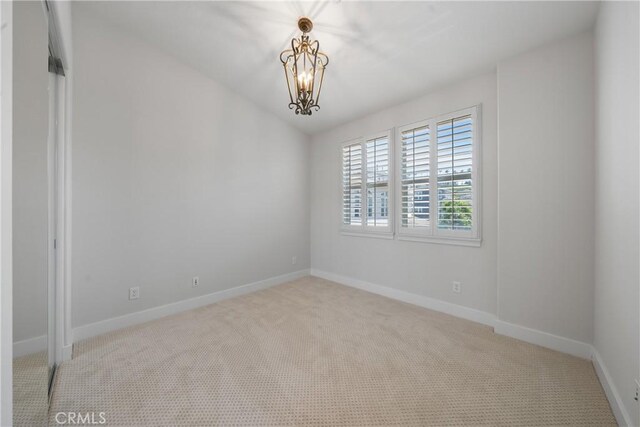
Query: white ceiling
(380,53)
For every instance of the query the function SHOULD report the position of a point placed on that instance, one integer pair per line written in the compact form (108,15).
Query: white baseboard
(29,346)
(419,300)
(617,406)
(544,339)
(108,325)
(533,336)
(67,352)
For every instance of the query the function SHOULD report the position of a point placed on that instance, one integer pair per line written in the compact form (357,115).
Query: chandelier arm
(315,51)
(324,59)
(295,67)
(288,52)
(320,86)
(315,47)
(286,75)
(313,80)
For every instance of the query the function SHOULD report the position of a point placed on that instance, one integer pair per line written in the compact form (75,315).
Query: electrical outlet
(195,282)
(637,396)
(456,288)
(134,293)
(294,260)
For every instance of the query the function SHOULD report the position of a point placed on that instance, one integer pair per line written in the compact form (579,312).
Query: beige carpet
(312,352)
(30,390)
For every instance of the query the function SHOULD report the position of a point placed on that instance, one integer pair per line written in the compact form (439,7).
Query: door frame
(51,226)
(59,65)
(63,336)
(6,208)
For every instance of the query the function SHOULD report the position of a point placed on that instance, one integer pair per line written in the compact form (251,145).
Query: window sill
(375,235)
(470,242)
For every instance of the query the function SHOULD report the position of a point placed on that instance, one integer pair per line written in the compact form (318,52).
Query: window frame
(363,229)
(432,234)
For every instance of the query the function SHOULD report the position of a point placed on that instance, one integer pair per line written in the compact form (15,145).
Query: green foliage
(461,209)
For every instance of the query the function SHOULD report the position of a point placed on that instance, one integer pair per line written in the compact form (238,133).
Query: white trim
(544,339)
(475,243)
(6,232)
(65,185)
(532,336)
(60,15)
(63,222)
(522,333)
(67,352)
(375,235)
(52,211)
(408,297)
(108,325)
(29,346)
(610,390)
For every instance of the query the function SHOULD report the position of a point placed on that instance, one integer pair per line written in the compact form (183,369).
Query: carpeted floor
(30,390)
(312,352)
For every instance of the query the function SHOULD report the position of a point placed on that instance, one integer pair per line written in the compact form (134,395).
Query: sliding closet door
(30,214)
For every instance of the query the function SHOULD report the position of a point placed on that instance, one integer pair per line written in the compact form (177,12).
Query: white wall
(421,268)
(535,266)
(545,208)
(30,179)
(174,176)
(617,207)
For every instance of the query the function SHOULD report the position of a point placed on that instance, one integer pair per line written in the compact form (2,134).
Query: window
(378,181)
(366,173)
(438,179)
(455,198)
(437,175)
(415,175)
(352,184)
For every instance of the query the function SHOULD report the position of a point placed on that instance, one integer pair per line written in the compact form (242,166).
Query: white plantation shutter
(438,179)
(366,185)
(378,182)
(437,175)
(455,167)
(415,177)
(352,184)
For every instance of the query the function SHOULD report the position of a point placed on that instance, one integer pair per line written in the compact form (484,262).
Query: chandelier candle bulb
(304,67)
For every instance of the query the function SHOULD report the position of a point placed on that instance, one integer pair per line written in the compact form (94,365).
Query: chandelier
(304,66)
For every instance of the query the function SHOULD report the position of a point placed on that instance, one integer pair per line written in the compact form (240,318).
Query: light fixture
(304,66)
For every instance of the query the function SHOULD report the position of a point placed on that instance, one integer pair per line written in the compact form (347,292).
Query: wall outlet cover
(457,287)
(134,293)
(195,281)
